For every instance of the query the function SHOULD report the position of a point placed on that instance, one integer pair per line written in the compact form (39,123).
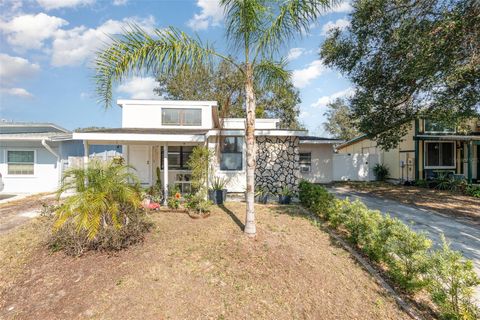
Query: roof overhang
(122,102)
(448,137)
(118,138)
(321,141)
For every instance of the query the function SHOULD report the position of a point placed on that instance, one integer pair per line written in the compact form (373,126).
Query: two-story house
(428,148)
(161,134)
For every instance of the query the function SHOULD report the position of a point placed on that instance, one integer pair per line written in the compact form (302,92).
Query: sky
(47,48)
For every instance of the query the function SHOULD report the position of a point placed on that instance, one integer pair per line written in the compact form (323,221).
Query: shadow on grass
(233,216)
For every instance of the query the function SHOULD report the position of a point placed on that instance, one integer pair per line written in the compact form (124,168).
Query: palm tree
(104,197)
(256,30)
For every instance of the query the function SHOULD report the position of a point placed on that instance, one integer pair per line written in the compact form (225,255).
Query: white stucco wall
(321,169)
(46,172)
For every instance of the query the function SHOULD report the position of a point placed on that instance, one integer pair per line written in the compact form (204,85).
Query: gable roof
(353,141)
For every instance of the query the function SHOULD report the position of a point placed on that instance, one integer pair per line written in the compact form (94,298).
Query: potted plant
(261,195)
(218,194)
(285,196)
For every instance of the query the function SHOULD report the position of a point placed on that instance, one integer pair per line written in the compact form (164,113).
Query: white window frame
(8,175)
(309,166)
(244,148)
(440,167)
(182,113)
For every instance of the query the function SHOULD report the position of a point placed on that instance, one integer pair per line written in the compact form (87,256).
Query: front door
(139,158)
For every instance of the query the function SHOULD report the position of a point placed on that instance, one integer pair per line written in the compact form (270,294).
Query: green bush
(381,172)
(473,190)
(316,198)
(421,183)
(452,280)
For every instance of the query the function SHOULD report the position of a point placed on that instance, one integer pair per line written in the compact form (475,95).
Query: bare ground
(446,202)
(193,269)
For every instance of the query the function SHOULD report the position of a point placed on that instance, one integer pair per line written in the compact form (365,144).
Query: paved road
(464,236)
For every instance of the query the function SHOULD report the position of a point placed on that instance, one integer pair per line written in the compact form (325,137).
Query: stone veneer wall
(277,163)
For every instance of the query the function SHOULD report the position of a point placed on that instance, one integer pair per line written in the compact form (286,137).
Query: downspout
(49,149)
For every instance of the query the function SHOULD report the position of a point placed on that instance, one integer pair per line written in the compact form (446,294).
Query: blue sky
(46,48)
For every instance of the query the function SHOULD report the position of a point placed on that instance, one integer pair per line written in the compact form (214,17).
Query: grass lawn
(193,269)
(446,202)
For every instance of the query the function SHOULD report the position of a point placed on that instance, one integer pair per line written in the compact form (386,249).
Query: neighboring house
(34,155)
(427,149)
(158,133)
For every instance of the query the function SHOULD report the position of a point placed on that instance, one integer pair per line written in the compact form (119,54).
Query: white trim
(117,138)
(122,102)
(439,167)
(34,175)
(320,141)
(258,132)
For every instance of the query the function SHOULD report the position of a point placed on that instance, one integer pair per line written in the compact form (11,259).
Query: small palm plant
(104,198)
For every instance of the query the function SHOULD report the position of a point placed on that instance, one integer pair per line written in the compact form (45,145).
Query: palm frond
(293,17)
(269,73)
(135,51)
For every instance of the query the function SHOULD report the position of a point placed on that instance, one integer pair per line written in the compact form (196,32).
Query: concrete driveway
(463,235)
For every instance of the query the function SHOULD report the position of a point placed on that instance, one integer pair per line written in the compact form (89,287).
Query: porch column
(469,161)
(86,151)
(417,151)
(165,173)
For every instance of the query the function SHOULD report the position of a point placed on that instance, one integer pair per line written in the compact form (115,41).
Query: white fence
(354,167)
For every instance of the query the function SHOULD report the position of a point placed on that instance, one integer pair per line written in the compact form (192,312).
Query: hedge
(407,256)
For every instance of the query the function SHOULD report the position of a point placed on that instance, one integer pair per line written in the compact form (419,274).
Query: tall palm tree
(256,30)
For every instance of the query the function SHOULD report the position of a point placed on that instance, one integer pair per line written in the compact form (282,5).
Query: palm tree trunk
(250,228)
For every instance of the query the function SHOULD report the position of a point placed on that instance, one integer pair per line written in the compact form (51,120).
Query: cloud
(302,77)
(139,88)
(338,24)
(210,15)
(16,92)
(295,53)
(119,2)
(30,31)
(56,4)
(13,69)
(323,101)
(343,7)
(77,45)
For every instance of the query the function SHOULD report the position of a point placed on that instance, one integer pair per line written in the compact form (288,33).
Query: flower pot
(262,199)
(217,196)
(284,199)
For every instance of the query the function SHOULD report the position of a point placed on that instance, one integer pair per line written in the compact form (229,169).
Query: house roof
(318,140)
(352,141)
(148,131)
(32,131)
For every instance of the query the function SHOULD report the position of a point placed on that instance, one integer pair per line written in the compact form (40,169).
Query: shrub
(473,190)
(381,172)
(421,183)
(406,255)
(104,211)
(452,283)
(197,203)
(316,198)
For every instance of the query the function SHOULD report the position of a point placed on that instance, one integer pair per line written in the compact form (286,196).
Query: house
(161,134)
(33,156)
(427,149)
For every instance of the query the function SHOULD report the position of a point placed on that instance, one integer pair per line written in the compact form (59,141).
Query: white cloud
(13,69)
(30,31)
(119,2)
(295,53)
(323,101)
(210,15)
(17,92)
(77,45)
(302,77)
(343,7)
(56,4)
(338,24)
(139,88)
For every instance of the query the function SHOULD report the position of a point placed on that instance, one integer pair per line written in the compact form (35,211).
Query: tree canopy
(340,122)
(225,84)
(409,59)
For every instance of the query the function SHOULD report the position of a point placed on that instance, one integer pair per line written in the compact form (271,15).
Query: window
(177,157)
(433,126)
(181,117)
(20,162)
(231,154)
(439,154)
(305,162)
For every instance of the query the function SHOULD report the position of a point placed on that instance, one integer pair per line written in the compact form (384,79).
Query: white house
(158,133)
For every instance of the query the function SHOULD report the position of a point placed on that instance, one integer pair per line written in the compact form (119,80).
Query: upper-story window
(437,127)
(181,117)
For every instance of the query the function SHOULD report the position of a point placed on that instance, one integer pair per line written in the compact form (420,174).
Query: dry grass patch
(198,269)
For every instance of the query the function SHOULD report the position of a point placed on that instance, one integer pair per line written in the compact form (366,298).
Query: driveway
(461,232)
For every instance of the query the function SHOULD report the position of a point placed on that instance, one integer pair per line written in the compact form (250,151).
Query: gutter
(44,143)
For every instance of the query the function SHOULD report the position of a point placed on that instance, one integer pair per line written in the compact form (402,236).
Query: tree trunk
(250,228)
